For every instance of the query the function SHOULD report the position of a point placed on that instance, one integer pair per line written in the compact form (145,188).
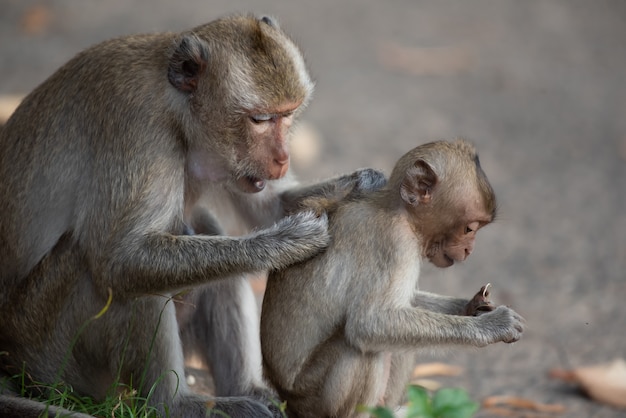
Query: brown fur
(339,330)
(103,164)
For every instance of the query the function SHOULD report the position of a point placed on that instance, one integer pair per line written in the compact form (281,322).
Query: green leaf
(453,403)
(419,405)
(377,412)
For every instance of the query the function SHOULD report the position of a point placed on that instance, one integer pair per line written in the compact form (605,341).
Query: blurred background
(539,87)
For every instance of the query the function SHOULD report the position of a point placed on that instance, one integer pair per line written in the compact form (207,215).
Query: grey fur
(98,165)
(215,319)
(341,329)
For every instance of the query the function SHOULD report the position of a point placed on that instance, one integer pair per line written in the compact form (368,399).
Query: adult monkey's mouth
(251,184)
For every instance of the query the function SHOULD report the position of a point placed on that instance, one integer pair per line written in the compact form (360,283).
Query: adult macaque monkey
(99,165)
(337,330)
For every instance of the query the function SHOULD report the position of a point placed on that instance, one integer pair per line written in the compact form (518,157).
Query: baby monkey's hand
(480,303)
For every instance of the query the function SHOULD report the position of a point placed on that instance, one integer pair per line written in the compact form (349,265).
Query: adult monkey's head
(242,82)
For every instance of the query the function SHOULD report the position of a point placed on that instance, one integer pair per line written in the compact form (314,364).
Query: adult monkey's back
(99,165)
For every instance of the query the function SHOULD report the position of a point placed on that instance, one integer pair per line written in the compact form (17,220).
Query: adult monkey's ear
(187,63)
(418,183)
(270,21)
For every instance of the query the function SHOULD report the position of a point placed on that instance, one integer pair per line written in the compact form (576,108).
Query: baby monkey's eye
(472,227)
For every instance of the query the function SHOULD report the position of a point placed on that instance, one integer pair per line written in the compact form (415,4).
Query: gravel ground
(539,86)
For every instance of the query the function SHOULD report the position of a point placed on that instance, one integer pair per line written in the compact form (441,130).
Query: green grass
(126,403)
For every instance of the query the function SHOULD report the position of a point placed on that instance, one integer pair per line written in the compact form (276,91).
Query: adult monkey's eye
(260,118)
(468,230)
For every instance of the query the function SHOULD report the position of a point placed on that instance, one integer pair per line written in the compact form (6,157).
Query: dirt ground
(538,85)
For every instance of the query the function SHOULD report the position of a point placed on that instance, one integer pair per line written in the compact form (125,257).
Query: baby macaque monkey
(340,330)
